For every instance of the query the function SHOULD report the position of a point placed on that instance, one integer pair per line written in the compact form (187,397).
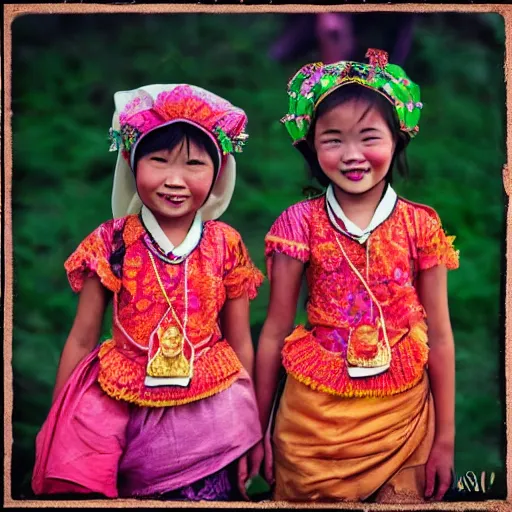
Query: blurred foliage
(65,72)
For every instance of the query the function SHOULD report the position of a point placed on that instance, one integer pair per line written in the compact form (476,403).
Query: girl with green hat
(367,412)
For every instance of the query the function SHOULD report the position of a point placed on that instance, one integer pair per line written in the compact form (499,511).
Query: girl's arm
(236,330)
(284,292)
(85,332)
(433,293)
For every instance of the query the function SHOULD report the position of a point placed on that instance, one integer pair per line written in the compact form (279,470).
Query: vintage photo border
(13,11)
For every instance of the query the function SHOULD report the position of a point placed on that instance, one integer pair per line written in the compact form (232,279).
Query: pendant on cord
(171,356)
(367,352)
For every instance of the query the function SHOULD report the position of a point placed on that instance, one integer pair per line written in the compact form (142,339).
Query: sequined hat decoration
(181,103)
(313,82)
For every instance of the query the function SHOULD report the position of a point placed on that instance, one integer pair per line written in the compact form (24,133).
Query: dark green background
(65,72)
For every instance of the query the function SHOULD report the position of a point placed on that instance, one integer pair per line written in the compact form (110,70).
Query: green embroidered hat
(313,82)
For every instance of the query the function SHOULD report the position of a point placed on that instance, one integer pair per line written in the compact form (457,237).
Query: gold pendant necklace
(169,360)
(363,351)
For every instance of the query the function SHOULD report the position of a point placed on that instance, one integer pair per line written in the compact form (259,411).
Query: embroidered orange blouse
(410,240)
(219,268)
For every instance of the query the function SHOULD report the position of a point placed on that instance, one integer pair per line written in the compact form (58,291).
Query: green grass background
(65,72)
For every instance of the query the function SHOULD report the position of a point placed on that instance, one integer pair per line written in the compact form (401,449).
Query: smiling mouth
(355,174)
(173,199)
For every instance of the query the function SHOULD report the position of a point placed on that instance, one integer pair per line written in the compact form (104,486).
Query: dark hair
(168,137)
(375,100)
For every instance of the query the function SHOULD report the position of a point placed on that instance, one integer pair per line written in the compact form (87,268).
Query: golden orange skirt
(328,447)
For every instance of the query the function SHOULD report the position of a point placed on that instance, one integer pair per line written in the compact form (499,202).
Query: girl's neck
(176,229)
(360,208)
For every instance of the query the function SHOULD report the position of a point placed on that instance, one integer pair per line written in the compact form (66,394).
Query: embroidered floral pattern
(94,258)
(338,303)
(313,82)
(180,103)
(220,268)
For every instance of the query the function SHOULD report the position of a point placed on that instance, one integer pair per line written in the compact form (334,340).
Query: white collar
(383,211)
(186,247)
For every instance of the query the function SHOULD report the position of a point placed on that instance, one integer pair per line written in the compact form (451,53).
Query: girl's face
(354,146)
(175,183)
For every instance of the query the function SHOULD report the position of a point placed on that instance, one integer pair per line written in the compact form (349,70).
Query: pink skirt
(92,443)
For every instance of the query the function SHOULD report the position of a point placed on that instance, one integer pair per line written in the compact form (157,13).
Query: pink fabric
(82,439)
(186,102)
(170,447)
(90,442)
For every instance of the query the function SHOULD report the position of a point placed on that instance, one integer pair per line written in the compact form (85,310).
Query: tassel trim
(308,362)
(122,378)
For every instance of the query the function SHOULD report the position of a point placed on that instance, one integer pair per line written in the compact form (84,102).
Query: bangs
(169,137)
(359,93)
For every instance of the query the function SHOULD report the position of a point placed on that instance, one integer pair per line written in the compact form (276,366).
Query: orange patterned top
(410,240)
(219,268)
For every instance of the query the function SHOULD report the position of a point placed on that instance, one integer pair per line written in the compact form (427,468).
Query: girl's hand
(268,469)
(249,465)
(261,455)
(243,475)
(439,469)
